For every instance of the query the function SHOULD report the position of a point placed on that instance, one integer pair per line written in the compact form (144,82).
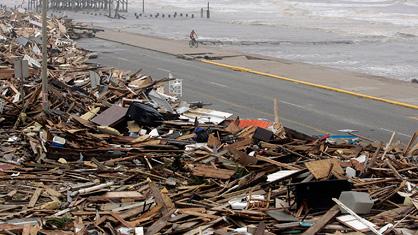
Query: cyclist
(193,36)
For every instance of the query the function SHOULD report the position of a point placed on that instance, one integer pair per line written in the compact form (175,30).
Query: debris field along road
(117,153)
(310,110)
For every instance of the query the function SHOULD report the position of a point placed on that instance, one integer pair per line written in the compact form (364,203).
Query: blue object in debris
(349,138)
(58,142)
(305,224)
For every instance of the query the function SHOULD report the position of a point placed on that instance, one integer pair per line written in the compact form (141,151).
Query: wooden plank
(276,163)
(186,226)
(99,164)
(396,173)
(210,172)
(322,168)
(411,141)
(35,197)
(121,220)
(116,196)
(147,215)
(319,224)
(159,199)
(241,144)
(260,228)
(203,227)
(213,141)
(233,127)
(52,191)
(198,214)
(243,158)
(160,223)
(123,194)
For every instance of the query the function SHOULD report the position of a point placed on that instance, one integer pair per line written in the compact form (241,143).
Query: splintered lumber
(149,215)
(276,163)
(118,153)
(322,221)
(35,197)
(92,189)
(322,168)
(159,198)
(203,227)
(160,223)
(207,171)
(117,196)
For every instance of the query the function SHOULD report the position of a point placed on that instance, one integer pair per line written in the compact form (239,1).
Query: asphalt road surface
(310,110)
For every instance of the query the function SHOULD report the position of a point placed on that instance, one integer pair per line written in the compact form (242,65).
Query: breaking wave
(215,41)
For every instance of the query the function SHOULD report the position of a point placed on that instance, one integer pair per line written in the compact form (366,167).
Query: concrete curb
(247,70)
(132,45)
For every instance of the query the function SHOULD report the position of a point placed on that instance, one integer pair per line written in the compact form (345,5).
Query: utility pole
(143,6)
(208,12)
(44,73)
(110,8)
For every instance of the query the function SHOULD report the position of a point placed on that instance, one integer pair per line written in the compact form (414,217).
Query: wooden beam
(35,197)
(319,224)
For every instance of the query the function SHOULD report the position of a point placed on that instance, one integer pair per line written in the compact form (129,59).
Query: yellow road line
(247,70)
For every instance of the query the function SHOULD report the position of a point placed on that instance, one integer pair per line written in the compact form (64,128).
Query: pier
(120,5)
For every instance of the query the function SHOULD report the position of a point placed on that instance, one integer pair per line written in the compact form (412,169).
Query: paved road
(310,110)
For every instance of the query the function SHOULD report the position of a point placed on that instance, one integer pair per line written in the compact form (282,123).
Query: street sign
(21,69)
(175,87)
(21,72)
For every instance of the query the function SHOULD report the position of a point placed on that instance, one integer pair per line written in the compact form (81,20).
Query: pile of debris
(119,154)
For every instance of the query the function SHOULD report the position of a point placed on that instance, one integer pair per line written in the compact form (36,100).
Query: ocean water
(378,37)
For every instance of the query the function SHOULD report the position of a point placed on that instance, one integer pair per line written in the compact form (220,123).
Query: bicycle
(193,43)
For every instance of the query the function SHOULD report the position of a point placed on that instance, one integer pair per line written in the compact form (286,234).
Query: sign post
(44,73)
(22,72)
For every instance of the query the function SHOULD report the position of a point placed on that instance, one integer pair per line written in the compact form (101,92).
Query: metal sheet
(32,61)
(161,101)
(21,68)
(111,116)
(22,41)
(94,79)
(207,115)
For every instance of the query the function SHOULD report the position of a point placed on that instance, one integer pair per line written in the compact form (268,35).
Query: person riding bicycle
(193,36)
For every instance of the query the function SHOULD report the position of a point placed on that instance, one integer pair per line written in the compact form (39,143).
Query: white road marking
(218,84)
(413,118)
(121,58)
(391,131)
(292,104)
(164,70)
